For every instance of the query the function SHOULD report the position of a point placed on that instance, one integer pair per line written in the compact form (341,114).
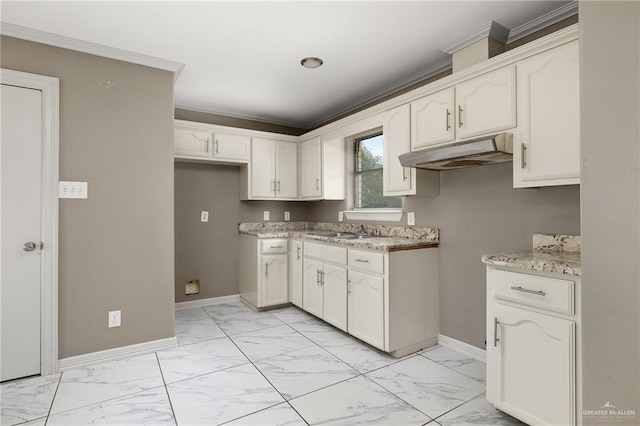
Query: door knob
(30,246)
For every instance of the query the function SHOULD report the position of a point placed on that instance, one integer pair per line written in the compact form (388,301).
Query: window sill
(377,215)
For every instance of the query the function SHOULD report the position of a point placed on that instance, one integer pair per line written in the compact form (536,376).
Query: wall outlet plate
(411,218)
(192,287)
(265,215)
(340,216)
(287,216)
(204,216)
(114,319)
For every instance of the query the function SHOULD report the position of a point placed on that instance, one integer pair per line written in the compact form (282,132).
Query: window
(368,175)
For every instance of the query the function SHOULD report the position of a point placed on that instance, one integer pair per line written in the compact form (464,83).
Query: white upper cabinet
(273,171)
(432,119)
(190,142)
(486,104)
(310,169)
(397,180)
(547,144)
(228,146)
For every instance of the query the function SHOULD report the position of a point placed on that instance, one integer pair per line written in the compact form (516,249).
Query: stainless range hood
(474,152)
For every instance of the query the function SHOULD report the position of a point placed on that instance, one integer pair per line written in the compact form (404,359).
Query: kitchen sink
(341,235)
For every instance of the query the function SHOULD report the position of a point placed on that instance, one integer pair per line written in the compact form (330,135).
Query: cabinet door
(274,280)
(310,169)
(311,288)
(334,284)
(486,104)
(295,272)
(366,308)
(534,365)
(547,149)
(263,168)
(227,146)
(397,180)
(191,142)
(432,119)
(333,169)
(286,170)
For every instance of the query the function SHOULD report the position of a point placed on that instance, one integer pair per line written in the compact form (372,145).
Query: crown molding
(30,34)
(492,30)
(259,118)
(397,86)
(544,21)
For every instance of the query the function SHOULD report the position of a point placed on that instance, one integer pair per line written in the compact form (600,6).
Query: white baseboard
(65,364)
(464,348)
(206,302)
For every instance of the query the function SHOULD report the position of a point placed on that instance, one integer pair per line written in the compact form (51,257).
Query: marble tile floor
(239,367)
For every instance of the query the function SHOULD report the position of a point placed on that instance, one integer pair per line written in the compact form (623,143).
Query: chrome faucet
(362,230)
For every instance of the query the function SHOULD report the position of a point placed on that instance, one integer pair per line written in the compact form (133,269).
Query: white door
(295,273)
(263,168)
(274,285)
(287,170)
(397,180)
(366,308)
(311,288)
(21,231)
(334,285)
(310,165)
(535,366)
(432,119)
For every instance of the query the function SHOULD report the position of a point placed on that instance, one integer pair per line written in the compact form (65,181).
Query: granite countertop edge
(383,243)
(553,261)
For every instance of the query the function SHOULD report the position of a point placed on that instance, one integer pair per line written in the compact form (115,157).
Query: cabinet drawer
(326,253)
(273,246)
(366,261)
(532,290)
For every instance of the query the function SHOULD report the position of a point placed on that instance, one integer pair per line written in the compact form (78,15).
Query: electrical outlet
(411,218)
(68,189)
(204,216)
(265,215)
(340,216)
(114,319)
(287,216)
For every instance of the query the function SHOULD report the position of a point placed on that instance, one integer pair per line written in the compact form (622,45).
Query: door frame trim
(50,88)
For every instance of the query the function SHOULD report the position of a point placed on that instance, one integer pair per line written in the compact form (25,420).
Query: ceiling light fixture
(311,62)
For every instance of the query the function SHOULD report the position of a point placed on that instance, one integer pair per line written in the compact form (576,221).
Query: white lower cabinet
(263,271)
(366,308)
(295,272)
(532,348)
(325,283)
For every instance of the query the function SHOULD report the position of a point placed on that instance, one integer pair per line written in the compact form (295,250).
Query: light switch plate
(79,190)
(265,215)
(340,216)
(411,218)
(287,216)
(204,216)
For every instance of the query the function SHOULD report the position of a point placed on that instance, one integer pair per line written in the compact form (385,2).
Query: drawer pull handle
(361,260)
(526,290)
(277,247)
(495,331)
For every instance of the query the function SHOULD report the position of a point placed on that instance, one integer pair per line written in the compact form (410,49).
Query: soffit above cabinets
(242,59)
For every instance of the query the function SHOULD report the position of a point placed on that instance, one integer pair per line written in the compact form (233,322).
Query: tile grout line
(55,393)
(453,369)
(166,390)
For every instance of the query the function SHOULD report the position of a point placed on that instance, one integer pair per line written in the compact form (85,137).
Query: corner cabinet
(532,349)
(322,169)
(547,143)
(273,172)
(263,273)
(310,169)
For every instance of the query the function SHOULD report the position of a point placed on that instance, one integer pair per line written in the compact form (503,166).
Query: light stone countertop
(384,238)
(558,254)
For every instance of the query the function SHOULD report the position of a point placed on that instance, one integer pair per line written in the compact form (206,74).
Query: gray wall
(209,251)
(610,109)
(116,248)
(479,212)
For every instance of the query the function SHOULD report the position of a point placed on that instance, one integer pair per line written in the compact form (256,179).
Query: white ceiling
(242,59)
